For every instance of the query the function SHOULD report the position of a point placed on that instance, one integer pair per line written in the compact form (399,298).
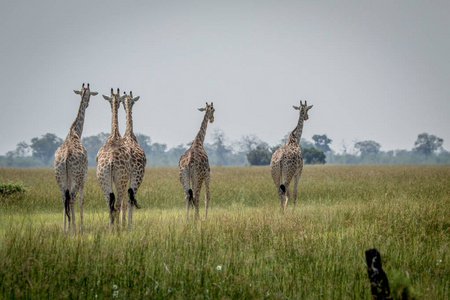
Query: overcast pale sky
(374,70)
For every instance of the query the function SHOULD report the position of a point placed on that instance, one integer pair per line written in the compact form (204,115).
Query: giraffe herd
(121,163)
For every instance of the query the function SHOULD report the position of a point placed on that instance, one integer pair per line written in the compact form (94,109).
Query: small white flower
(114,287)
(219,268)
(116,294)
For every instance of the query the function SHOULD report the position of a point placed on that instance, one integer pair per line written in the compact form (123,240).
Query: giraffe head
(209,111)
(85,93)
(303,108)
(115,99)
(128,101)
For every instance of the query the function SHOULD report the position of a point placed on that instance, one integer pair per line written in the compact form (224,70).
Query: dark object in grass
(379,284)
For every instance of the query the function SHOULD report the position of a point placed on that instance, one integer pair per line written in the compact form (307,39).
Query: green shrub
(7,189)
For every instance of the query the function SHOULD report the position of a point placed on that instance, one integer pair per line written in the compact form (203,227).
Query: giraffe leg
(287,196)
(296,180)
(188,200)
(197,188)
(207,196)
(64,194)
(131,201)
(275,171)
(73,197)
(80,203)
(72,210)
(188,194)
(286,180)
(122,205)
(110,198)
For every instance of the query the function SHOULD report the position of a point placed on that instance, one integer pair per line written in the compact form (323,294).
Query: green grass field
(246,249)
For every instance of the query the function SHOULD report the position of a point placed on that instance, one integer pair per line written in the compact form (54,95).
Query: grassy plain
(246,249)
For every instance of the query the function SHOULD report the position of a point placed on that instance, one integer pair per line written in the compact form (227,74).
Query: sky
(373,70)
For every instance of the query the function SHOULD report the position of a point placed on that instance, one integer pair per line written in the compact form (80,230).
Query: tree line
(249,150)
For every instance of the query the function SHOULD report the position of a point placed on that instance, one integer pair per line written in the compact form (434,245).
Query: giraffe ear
(77,92)
(202,109)
(135,98)
(296,107)
(122,98)
(308,107)
(107,98)
(93,93)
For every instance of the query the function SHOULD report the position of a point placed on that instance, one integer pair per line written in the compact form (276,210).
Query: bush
(313,155)
(260,156)
(10,189)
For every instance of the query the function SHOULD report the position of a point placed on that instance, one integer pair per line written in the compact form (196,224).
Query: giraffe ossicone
(70,164)
(287,161)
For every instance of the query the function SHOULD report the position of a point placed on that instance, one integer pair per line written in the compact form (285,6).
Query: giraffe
(194,166)
(114,165)
(71,164)
(138,159)
(287,161)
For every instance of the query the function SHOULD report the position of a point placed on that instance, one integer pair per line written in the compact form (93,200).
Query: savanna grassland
(246,249)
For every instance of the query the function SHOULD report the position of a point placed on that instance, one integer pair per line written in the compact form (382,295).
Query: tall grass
(246,249)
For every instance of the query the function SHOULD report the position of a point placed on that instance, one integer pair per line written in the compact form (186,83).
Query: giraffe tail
(112,201)
(191,197)
(282,190)
(67,204)
(132,198)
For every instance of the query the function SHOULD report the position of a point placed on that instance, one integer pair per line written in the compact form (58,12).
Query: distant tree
(158,155)
(322,142)
(305,143)
(22,150)
(259,156)
(426,144)
(145,142)
(221,151)
(177,151)
(93,144)
(251,142)
(313,155)
(44,148)
(158,148)
(367,147)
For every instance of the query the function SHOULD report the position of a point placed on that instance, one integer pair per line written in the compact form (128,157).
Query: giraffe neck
(129,130)
(114,121)
(296,134)
(202,132)
(77,125)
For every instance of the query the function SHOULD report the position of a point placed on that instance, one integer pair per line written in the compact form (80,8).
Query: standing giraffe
(194,166)
(138,159)
(287,161)
(71,163)
(114,165)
